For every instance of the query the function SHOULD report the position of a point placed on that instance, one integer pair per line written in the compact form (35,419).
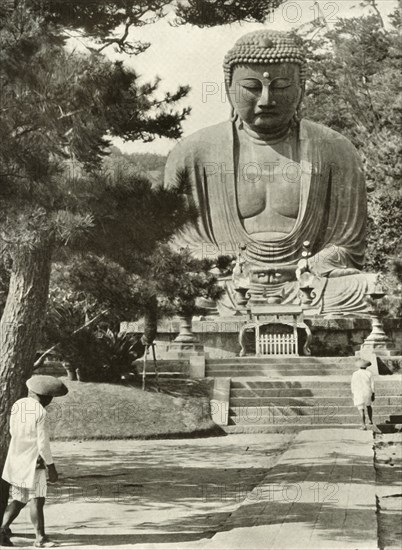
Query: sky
(188,55)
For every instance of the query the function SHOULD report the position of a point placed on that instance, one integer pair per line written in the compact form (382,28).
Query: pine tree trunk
(150,322)
(20,328)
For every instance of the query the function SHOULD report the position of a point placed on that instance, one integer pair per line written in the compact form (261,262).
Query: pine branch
(40,359)
(119,41)
(373,4)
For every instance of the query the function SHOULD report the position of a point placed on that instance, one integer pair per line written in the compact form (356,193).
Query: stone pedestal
(186,344)
(377,342)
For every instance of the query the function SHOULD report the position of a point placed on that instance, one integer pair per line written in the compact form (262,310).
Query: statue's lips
(272,112)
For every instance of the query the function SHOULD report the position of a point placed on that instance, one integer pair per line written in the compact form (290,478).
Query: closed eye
(251,84)
(280,84)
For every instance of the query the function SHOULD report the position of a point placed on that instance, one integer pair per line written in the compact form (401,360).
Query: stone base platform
(332,336)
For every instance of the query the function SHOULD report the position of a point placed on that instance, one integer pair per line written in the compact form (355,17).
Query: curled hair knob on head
(264,47)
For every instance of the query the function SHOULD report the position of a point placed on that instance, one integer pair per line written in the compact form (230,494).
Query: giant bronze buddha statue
(289,193)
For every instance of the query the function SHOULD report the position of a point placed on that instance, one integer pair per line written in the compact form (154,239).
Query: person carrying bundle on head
(29,456)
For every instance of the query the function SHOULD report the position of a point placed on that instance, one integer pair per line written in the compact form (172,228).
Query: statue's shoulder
(205,140)
(327,137)
(211,133)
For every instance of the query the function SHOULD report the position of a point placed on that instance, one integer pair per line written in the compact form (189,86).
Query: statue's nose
(265,97)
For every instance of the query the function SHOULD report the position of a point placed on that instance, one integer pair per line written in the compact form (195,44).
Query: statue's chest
(267,182)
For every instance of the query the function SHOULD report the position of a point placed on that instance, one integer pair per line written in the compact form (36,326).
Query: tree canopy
(209,13)
(58,110)
(353,87)
(110,22)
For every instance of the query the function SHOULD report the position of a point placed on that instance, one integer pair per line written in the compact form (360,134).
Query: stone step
(326,409)
(254,400)
(333,390)
(336,390)
(316,367)
(382,383)
(285,359)
(315,393)
(296,427)
(250,367)
(277,372)
(309,420)
(281,364)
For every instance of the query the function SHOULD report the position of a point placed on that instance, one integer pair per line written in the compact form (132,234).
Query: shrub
(102,355)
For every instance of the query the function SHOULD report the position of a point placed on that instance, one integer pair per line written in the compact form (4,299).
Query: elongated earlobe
(298,114)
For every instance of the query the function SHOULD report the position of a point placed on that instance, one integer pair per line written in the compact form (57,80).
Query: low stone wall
(337,336)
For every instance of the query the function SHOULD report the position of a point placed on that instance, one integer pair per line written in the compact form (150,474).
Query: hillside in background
(150,165)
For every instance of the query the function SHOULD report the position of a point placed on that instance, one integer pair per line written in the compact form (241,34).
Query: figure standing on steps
(362,386)
(28,457)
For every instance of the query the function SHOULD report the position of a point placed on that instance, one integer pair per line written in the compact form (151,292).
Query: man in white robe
(29,456)
(362,386)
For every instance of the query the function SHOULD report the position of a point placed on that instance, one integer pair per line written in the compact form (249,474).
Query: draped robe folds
(332,212)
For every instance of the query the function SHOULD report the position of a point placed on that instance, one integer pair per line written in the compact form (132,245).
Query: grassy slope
(109,411)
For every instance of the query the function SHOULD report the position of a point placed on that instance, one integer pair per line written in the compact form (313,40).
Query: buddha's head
(264,78)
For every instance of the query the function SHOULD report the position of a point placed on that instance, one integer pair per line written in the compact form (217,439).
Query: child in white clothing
(362,386)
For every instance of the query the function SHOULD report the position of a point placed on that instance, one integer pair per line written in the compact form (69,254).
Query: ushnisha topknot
(264,47)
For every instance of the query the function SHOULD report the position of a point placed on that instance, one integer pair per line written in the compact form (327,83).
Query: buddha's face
(266,96)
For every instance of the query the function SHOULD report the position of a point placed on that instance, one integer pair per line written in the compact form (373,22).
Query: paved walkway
(232,493)
(320,495)
(156,493)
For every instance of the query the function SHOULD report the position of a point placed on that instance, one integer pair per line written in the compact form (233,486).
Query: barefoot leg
(362,417)
(4,493)
(37,517)
(12,512)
